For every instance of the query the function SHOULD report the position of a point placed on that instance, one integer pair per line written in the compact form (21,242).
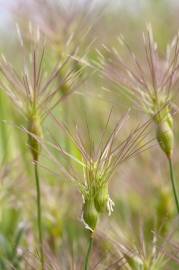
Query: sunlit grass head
(98,163)
(63,24)
(34,89)
(68,27)
(139,250)
(150,81)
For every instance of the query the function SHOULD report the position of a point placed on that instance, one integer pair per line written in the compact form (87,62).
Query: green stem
(39,220)
(67,141)
(172,177)
(87,258)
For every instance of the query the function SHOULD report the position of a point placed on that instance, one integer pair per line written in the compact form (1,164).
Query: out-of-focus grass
(144,204)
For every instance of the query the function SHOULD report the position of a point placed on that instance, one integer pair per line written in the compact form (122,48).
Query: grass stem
(87,258)
(172,177)
(39,219)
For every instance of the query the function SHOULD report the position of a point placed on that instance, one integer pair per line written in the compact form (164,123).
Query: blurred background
(142,232)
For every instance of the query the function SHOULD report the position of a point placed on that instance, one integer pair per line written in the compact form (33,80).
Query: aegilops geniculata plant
(98,164)
(150,84)
(35,92)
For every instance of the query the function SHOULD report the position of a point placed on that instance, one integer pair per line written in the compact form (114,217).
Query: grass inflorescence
(101,198)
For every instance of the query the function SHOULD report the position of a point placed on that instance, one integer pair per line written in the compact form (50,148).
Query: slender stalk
(39,219)
(87,258)
(67,142)
(172,177)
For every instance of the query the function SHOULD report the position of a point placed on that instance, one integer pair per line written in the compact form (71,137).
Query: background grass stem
(39,219)
(172,177)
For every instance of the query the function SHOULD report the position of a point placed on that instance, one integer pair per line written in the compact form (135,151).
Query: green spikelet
(164,130)
(165,136)
(170,120)
(101,198)
(90,214)
(34,127)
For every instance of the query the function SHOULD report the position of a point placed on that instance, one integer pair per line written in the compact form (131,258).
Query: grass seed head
(35,91)
(34,127)
(150,84)
(99,163)
(90,214)
(101,198)
(164,128)
(63,25)
(165,138)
